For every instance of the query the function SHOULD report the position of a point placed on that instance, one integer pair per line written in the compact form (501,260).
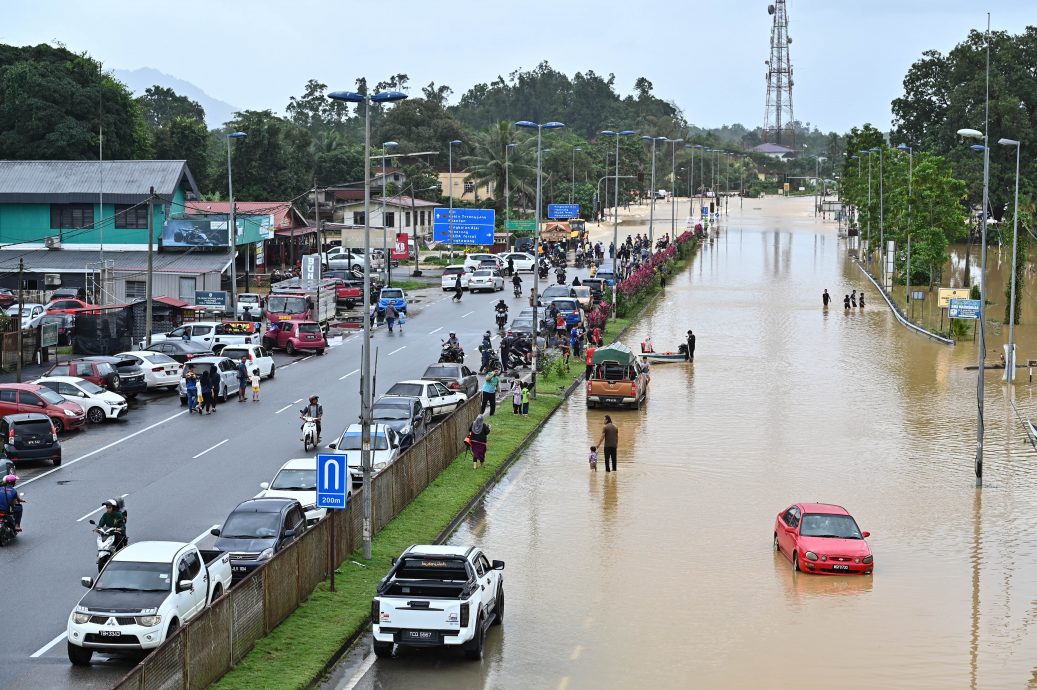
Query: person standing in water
(825,298)
(862,299)
(853,298)
(846,302)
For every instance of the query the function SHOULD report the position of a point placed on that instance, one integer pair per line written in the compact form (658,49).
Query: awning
(296,232)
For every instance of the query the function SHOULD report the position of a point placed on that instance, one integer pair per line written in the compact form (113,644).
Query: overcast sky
(849,58)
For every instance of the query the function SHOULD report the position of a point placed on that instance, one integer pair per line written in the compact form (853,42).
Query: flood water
(662,575)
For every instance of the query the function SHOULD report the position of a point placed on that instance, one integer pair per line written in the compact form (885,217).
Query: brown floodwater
(662,575)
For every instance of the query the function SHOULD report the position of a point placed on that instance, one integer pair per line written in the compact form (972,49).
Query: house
(402,214)
(464,190)
(270,233)
(775,151)
(85,224)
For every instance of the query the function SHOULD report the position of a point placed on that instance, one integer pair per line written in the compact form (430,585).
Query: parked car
(473,261)
(606,274)
(570,309)
(521,260)
(249,306)
(7,297)
(450,273)
(348,261)
(256,530)
(583,296)
(456,377)
(395,296)
(486,279)
(181,350)
(103,374)
(226,373)
(22,398)
(131,373)
(822,538)
(160,370)
(68,293)
(100,404)
(554,292)
(66,325)
(297,479)
(523,321)
(30,436)
(404,415)
(385,448)
(257,356)
(66,306)
(595,286)
(214,334)
(293,336)
(31,311)
(435,397)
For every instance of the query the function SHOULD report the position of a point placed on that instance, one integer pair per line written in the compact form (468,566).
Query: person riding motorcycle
(315,410)
(452,340)
(517,282)
(11,502)
(501,313)
(560,274)
(113,518)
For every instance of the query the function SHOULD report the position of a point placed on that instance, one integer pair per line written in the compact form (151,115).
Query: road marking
(397,350)
(306,358)
(66,465)
(210,448)
(47,647)
(296,402)
(436,331)
(467,315)
(576,653)
(360,672)
(563,684)
(96,510)
(348,375)
(284,408)
(204,534)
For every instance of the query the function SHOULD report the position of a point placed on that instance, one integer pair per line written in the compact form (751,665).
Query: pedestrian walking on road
(846,302)
(853,298)
(255,384)
(458,290)
(207,397)
(862,299)
(478,434)
(489,393)
(191,387)
(390,316)
(825,298)
(610,442)
(242,378)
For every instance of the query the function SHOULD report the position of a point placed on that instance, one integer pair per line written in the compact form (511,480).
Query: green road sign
(520,225)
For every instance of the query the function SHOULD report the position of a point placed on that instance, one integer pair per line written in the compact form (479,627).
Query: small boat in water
(647,352)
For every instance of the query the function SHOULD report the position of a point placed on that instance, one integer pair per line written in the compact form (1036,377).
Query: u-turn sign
(333,481)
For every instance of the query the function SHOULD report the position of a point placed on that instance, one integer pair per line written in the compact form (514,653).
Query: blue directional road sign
(469,226)
(333,481)
(963,308)
(563,211)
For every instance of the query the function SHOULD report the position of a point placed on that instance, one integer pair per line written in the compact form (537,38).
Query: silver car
(226,372)
(456,377)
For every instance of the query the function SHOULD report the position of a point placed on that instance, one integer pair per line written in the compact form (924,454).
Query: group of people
(201,390)
(850,301)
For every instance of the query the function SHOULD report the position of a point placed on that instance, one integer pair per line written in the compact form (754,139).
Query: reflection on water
(663,575)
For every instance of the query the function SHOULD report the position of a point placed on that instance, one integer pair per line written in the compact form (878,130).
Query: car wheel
(223,394)
(79,656)
(59,426)
(498,609)
(290,349)
(383,650)
(320,353)
(174,625)
(183,401)
(273,368)
(95,415)
(473,650)
(56,461)
(217,592)
(795,561)
(776,547)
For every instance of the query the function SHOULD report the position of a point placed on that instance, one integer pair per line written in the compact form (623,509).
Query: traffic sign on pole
(333,481)
(964,308)
(471,226)
(563,211)
(530,225)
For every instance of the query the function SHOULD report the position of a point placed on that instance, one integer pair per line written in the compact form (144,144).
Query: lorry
(143,595)
(296,303)
(617,378)
(213,334)
(438,596)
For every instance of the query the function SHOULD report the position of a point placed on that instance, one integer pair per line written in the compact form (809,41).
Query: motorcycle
(7,528)
(109,541)
(578,262)
(517,290)
(451,354)
(309,432)
(560,274)
(502,319)
(542,269)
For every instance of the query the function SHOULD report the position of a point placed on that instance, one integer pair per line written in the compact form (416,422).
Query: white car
(31,310)
(254,302)
(521,260)
(450,274)
(436,399)
(160,370)
(488,279)
(226,370)
(472,261)
(257,355)
(297,479)
(385,444)
(100,404)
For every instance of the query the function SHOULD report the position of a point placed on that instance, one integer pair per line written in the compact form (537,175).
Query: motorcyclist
(501,313)
(485,349)
(113,518)
(10,501)
(517,282)
(315,410)
(560,274)
(452,340)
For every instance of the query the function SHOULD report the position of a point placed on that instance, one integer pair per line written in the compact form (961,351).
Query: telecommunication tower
(777,127)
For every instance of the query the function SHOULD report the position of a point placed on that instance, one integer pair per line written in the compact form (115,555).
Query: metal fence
(218,638)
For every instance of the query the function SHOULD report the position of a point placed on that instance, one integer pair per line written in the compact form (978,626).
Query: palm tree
(486,163)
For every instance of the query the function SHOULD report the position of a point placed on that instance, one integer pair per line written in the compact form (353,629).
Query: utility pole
(151,275)
(21,317)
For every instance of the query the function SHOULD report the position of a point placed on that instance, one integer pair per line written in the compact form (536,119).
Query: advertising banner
(191,233)
(310,271)
(399,250)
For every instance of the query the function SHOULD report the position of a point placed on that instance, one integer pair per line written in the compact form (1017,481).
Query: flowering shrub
(640,284)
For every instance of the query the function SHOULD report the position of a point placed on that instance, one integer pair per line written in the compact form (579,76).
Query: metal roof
(70,261)
(70,182)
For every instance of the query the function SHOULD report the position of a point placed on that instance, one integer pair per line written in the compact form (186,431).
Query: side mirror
(264,485)
(87,582)
(215,531)
(184,586)
(333,445)
(394,559)
(289,533)
(865,535)
(92,522)
(497,565)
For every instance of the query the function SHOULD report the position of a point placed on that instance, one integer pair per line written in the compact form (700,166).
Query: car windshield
(565,305)
(286,305)
(91,388)
(199,368)
(309,328)
(134,577)
(250,299)
(50,396)
(234,353)
(251,525)
(392,294)
(483,274)
(408,389)
(390,412)
(556,291)
(831,526)
(157,358)
(351,441)
(441,372)
(453,270)
(295,480)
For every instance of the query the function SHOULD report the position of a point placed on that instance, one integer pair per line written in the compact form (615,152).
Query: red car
(22,398)
(67,306)
(295,336)
(822,538)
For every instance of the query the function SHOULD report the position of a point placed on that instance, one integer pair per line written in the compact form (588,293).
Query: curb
(896,311)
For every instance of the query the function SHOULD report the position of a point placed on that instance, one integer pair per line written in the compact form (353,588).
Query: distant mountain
(137,80)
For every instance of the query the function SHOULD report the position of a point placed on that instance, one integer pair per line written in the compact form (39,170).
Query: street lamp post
(817,175)
(910,181)
(651,212)
(450,181)
(673,192)
(527,124)
(385,232)
(1010,348)
(691,183)
(615,219)
(365,359)
(233,228)
(572,189)
(507,184)
(869,151)
(882,224)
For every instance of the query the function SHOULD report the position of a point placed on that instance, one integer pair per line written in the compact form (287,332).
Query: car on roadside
(256,355)
(22,398)
(7,297)
(570,309)
(67,306)
(404,415)
(29,436)
(385,448)
(436,399)
(456,377)
(131,374)
(595,285)
(100,404)
(520,260)
(294,337)
(102,374)
(450,273)
(160,370)
(249,306)
(583,296)
(607,275)
(486,280)
(523,321)
(257,529)
(297,479)
(225,370)
(822,538)
(182,351)
(474,261)
(66,325)
(556,292)
(394,296)
(31,311)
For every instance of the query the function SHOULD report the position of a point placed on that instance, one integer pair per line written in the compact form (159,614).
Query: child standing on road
(255,384)
(593,459)
(525,399)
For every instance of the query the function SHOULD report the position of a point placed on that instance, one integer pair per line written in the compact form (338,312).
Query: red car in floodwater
(822,538)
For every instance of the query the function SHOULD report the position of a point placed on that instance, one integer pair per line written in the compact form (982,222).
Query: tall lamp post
(1010,347)
(651,212)
(869,152)
(673,192)
(507,184)
(450,181)
(527,124)
(365,358)
(615,218)
(817,175)
(233,228)
(572,188)
(691,182)
(882,213)
(385,232)
(910,183)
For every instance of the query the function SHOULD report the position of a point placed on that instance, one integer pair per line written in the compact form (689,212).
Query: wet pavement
(663,575)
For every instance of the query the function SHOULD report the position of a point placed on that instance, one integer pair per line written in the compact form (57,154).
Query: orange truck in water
(618,379)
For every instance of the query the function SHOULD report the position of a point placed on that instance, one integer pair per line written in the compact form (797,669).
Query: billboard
(193,233)
(471,226)
(400,250)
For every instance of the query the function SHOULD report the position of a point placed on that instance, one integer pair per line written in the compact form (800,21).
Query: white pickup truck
(147,591)
(214,334)
(438,596)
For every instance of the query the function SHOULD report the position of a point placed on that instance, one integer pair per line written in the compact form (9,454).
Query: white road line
(47,647)
(296,402)
(397,350)
(65,466)
(204,534)
(348,375)
(436,331)
(360,672)
(468,314)
(284,408)
(210,448)
(96,510)
(306,358)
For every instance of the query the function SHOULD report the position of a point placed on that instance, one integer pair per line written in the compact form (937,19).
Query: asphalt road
(182,474)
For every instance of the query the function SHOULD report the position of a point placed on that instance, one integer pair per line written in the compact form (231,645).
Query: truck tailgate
(420,614)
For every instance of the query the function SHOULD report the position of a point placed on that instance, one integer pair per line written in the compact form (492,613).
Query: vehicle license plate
(840,567)
(238,568)
(109,633)
(33,442)
(611,401)
(420,636)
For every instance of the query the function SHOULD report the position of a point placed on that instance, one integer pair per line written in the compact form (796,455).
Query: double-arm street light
(691,181)
(673,190)
(507,184)
(882,206)
(450,181)
(233,228)
(615,218)
(527,124)
(1010,347)
(365,358)
(385,232)
(910,180)
(868,153)
(651,212)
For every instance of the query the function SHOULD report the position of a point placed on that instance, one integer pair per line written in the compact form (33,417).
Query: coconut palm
(486,163)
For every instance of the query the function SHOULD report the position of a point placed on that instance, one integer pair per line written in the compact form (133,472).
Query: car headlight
(266,555)
(149,621)
(70,413)
(868,559)
(405,430)
(80,618)
(811,556)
